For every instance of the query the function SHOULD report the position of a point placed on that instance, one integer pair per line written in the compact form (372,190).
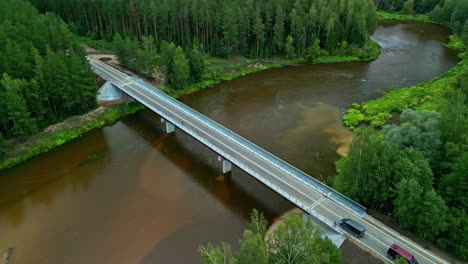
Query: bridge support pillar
(169,126)
(227,165)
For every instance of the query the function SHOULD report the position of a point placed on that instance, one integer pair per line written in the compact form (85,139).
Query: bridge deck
(307,193)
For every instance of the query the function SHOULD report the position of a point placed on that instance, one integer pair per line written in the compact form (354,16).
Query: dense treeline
(44,76)
(293,241)
(450,12)
(417,171)
(252,28)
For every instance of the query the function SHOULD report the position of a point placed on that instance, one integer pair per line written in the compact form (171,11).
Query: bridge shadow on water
(201,163)
(237,191)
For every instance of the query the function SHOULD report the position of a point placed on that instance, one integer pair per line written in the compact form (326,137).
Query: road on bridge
(378,238)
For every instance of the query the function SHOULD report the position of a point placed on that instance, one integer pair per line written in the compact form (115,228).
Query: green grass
(50,141)
(430,95)
(100,45)
(382,15)
(456,43)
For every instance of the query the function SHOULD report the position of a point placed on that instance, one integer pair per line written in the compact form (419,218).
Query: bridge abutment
(227,165)
(329,229)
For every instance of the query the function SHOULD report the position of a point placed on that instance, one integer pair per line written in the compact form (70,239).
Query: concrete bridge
(317,200)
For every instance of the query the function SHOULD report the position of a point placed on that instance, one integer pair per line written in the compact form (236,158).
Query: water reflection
(129,193)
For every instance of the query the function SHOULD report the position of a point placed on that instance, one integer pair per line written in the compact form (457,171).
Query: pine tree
(3,147)
(18,115)
(167,58)
(230,30)
(278,30)
(289,47)
(408,7)
(258,31)
(197,63)
(298,29)
(181,69)
(313,51)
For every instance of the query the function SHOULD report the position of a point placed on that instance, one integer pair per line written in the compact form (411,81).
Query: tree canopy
(417,170)
(44,75)
(222,28)
(292,242)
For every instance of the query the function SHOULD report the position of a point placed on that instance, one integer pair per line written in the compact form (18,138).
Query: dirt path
(111,59)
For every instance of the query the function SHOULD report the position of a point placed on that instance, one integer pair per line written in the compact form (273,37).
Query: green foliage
(253,249)
(410,163)
(454,120)
(224,28)
(294,241)
(45,77)
(101,45)
(197,63)
(125,50)
(419,129)
(132,56)
(425,96)
(366,173)
(289,47)
(408,7)
(15,115)
(3,148)
(167,58)
(258,224)
(314,50)
(456,236)
(454,186)
(424,212)
(382,15)
(216,255)
(408,189)
(180,76)
(47,141)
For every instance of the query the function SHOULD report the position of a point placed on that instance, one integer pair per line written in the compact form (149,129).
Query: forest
(416,171)
(45,77)
(222,28)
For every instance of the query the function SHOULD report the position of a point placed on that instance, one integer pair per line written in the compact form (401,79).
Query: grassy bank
(430,95)
(382,15)
(68,130)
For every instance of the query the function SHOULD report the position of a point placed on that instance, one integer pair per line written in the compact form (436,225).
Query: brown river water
(129,193)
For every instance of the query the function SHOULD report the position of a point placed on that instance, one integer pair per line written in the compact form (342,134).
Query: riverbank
(61,133)
(382,15)
(220,70)
(430,95)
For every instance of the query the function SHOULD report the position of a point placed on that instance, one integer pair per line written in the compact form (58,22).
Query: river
(129,193)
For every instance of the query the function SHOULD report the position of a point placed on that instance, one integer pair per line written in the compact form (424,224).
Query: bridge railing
(301,176)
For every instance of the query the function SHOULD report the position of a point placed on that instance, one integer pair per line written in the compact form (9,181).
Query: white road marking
(294,188)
